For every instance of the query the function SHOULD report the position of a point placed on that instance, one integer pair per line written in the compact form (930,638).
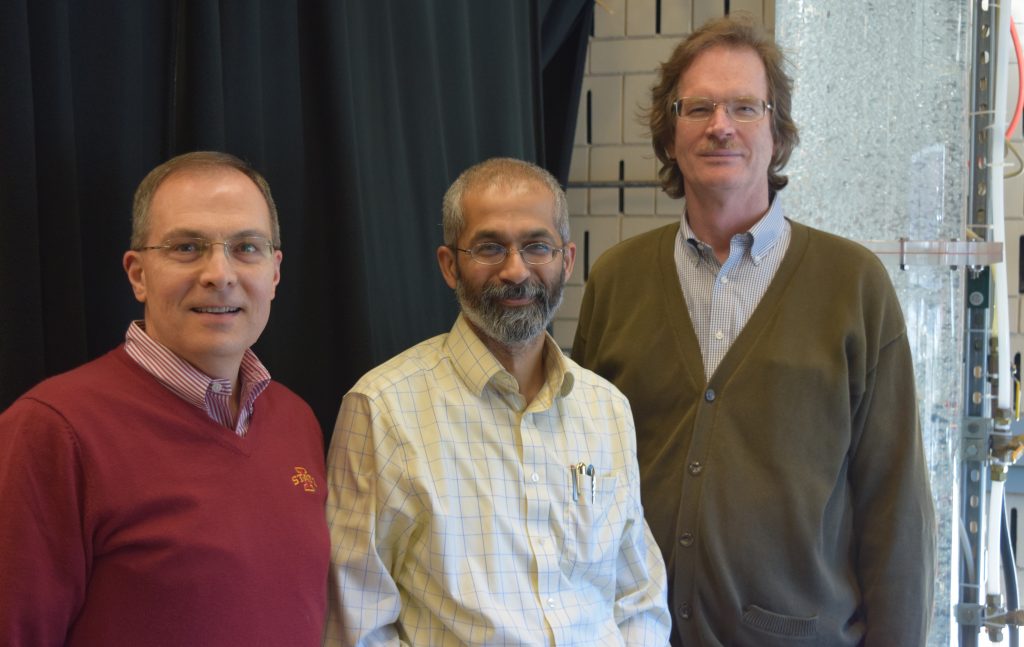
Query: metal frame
(971,612)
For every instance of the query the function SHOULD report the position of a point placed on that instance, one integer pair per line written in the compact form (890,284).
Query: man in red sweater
(170,493)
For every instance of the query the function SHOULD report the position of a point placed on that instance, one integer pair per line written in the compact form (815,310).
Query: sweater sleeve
(44,544)
(893,513)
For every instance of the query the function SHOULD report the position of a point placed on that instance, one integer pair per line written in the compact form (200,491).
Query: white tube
(993,572)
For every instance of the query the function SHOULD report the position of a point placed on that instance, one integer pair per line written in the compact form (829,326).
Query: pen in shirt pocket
(577,473)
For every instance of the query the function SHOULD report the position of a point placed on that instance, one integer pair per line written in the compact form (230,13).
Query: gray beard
(513,327)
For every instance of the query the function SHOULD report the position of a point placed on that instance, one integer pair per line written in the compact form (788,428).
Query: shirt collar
(764,233)
(185,380)
(767,230)
(478,367)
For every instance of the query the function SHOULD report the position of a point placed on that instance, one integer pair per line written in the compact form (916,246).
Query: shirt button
(719,334)
(535,477)
(215,387)
(551,603)
(725,279)
(709,395)
(696,468)
(540,542)
(684,611)
(686,539)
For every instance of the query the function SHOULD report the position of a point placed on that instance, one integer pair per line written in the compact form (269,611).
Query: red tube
(1020,82)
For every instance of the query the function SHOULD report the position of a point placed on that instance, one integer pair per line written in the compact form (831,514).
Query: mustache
(524,290)
(718,145)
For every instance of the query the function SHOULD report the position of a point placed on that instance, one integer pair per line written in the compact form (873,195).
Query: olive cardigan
(789,493)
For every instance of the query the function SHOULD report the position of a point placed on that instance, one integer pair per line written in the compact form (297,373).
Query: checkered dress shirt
(721,296)
(452,515)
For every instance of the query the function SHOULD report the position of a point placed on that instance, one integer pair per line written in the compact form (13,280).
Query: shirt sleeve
(363,601)
(893,513)
(44,554)
(641,586)
(641,610)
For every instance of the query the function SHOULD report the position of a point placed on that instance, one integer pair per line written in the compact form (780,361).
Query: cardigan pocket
(766,629)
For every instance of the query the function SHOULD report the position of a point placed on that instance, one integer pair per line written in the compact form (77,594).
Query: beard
(511,326)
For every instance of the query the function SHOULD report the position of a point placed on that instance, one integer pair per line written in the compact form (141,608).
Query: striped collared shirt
(212,395)
(721,296)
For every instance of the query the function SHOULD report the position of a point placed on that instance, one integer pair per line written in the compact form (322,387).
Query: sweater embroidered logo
(304,478)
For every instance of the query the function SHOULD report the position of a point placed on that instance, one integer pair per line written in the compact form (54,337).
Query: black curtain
(358,113)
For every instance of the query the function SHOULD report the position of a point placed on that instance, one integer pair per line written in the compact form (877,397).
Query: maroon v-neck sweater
(128,517)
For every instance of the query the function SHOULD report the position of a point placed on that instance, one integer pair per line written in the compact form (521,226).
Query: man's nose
(218,266)
(720,121)
(514,269)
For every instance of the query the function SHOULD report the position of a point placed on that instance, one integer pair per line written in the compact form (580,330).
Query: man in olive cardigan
(770,377)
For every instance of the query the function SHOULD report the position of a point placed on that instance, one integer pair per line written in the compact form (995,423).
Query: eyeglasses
(742,109)
(493,253)
(244,249)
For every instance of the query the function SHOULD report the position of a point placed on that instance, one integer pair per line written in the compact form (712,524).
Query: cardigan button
(695,468)
(709,395)
(686,539)
(685,611)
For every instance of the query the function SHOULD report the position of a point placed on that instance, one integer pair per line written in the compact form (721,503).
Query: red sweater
(128,517)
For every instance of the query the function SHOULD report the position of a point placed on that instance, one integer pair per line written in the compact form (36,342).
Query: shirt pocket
(593,526)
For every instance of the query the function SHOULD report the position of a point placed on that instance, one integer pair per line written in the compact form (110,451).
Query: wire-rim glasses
(495,253)
(249,249)
(741,109)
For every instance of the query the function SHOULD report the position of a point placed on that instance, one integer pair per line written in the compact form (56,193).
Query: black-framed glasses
(187,249)
(742,109)
(495,253)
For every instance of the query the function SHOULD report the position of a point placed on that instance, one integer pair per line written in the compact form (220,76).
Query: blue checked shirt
(721,296)
(452,515)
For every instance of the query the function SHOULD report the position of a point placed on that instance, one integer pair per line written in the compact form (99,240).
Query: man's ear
(446,260)
(278,257)
(132,263)
(569,259)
